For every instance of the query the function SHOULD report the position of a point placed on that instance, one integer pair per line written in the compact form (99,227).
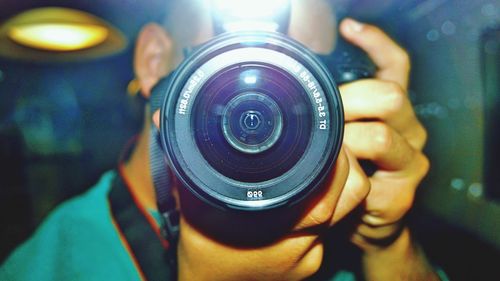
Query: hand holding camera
(382,127)
(320,208)
(393,137)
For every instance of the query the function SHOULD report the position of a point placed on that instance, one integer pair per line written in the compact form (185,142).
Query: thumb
(392,61)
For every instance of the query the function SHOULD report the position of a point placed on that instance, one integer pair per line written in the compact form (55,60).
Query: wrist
(401,260)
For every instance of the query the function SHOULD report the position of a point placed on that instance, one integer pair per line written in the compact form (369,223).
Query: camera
(253,120)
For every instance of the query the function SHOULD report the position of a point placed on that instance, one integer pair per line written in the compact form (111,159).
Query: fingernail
(354,25)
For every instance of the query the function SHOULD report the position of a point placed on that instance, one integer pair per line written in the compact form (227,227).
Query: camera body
(251,121)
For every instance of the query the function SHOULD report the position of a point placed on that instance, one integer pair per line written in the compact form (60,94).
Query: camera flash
(249,15)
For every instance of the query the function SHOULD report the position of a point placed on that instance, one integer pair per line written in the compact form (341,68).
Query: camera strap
(140,233)
(163,188)
(162,179)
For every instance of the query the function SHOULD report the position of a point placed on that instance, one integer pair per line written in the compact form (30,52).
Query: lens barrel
(251,121)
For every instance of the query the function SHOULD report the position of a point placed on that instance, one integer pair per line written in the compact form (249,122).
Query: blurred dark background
(63,124)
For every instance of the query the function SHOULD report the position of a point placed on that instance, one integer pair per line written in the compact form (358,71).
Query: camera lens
(251,122)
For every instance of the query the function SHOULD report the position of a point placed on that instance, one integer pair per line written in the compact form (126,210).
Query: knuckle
(405,204)
(395,98)
(321,213)
(406,197)
(361,186)
(423,135)
(365,186)
(382,138)
(396,91)
(394,212)
(424,165)
(403,58)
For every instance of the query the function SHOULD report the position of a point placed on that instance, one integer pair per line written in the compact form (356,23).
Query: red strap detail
(151,220)
(126,245)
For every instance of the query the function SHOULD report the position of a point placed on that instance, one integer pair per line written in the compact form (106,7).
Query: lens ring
(177,130)
(258,126)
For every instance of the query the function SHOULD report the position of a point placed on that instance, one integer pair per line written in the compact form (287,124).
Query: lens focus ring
(252,114)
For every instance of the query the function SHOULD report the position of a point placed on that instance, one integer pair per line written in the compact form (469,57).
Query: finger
(320,208)
(378,142)
(355,191)
(385,101)
(371,98)
(392,61)
(392,193)
(156,119)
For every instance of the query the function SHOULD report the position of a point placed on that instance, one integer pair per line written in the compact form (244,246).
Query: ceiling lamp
(58,34)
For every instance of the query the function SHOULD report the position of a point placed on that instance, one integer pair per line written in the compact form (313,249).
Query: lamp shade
(54,34)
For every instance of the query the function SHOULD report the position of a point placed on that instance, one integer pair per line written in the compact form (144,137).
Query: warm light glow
(250,25)
(249,14)
(249,9)
(58,36)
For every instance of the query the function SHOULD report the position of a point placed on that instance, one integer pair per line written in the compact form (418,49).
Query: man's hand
(381,126)
(284,244)
(216,245)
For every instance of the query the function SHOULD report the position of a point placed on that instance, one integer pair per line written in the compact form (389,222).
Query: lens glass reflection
(252,122)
